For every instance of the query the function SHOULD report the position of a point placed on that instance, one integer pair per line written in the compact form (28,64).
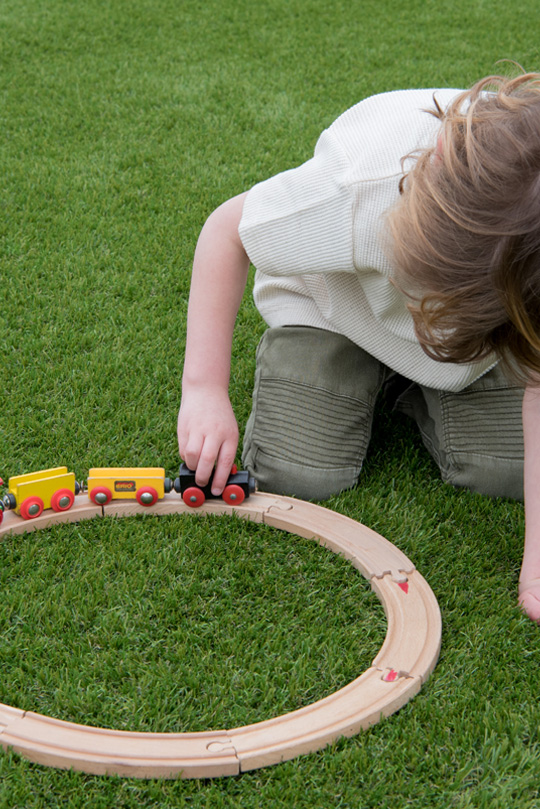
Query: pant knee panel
(282,476)
(489,427)
(484,441)
(310,425)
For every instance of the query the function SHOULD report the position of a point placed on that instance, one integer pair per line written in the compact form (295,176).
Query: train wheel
(147,496)
(193,497)
(233,494)
(31,508)
(101,495)
(62,500)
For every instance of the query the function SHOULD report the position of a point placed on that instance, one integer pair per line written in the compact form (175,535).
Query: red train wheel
(100,495)
(31,508)
(193,497)
(233,495)
(62,500)
(147,496)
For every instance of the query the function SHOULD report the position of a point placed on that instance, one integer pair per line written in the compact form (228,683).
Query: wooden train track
(405,660)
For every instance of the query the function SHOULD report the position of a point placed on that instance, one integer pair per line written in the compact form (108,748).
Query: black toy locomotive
(239,486)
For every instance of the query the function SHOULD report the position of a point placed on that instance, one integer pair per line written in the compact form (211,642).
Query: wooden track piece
(368,551)
(82,509)
(405,660)
(407,649)
(101,752)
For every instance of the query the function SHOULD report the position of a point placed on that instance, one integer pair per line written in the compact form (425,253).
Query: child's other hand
(207,435)
(529,598)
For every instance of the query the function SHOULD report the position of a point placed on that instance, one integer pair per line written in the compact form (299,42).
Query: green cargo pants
(313,404)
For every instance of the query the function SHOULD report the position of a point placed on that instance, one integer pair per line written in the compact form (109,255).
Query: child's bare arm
(207,429)
(530,571)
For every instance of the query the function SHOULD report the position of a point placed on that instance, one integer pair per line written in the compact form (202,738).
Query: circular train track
(406,659)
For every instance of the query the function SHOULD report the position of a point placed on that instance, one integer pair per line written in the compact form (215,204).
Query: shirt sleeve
(301,221)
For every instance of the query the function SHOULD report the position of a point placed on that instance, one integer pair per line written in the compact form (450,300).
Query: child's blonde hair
(466,233)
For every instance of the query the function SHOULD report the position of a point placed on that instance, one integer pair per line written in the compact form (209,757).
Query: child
(404,254)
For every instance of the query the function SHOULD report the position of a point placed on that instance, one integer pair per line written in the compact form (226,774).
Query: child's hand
(207,435)
(529,598)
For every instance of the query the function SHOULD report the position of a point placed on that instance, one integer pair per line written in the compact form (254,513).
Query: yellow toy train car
(147,485)
(29,494)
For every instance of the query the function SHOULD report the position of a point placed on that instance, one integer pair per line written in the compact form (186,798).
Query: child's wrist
(204,386)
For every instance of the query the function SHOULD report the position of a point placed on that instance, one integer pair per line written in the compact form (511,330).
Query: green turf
(123,124)
(172,625)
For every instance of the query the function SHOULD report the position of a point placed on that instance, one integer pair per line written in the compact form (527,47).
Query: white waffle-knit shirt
(315,235)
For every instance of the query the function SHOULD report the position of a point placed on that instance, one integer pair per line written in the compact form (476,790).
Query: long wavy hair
(466,232)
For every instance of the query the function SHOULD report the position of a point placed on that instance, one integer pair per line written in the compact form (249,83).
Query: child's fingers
(529,599)
(205,463)
(208,441)
(226,458)
(189,442)
(190,451)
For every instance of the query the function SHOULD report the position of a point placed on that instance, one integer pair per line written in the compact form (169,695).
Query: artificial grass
(179,624)
(122,126)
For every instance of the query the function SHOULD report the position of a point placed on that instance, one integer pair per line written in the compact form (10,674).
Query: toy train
(28,495)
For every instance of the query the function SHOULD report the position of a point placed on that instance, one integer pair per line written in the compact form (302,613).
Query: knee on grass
(281,476)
